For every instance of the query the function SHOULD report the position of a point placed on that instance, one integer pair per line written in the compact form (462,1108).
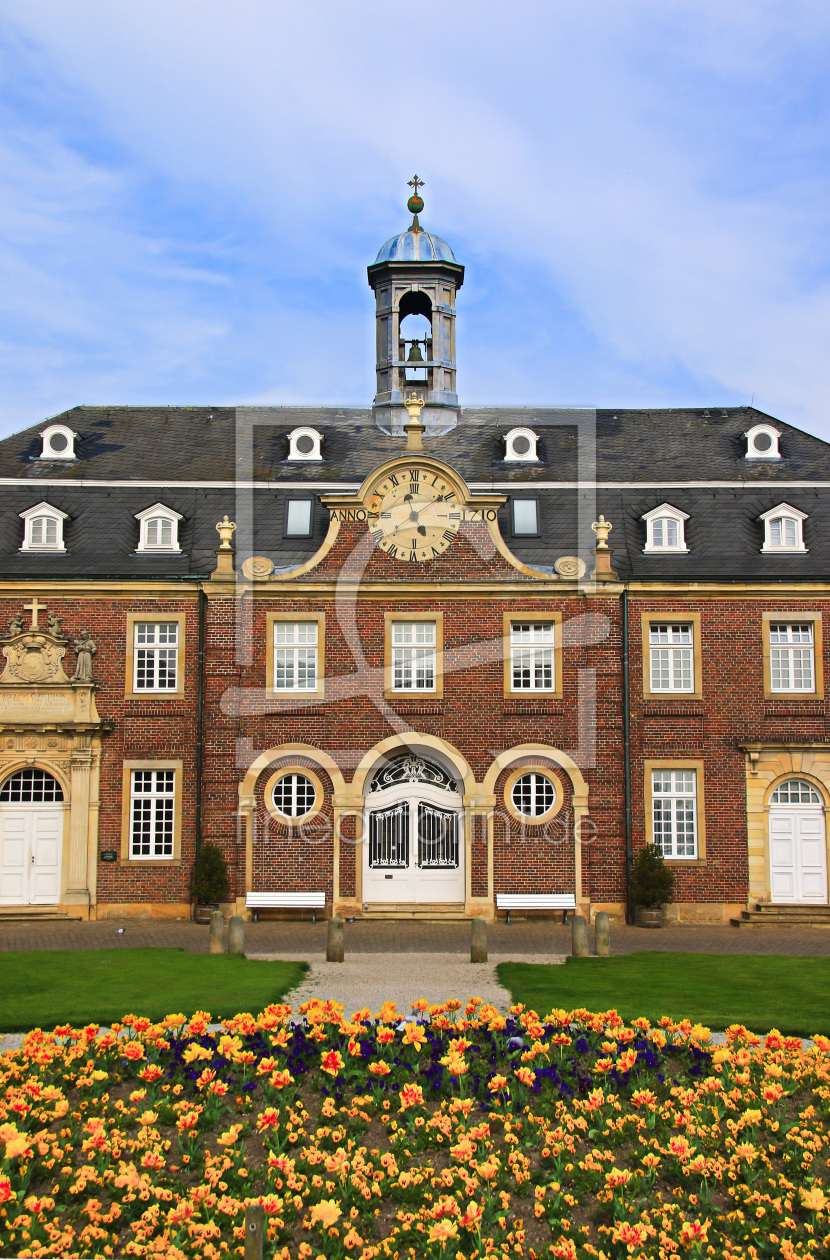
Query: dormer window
(520,446)
(43,528)
(783,529)
(665,529)
(762,442)
(158,529)
(58,442)
(304,443)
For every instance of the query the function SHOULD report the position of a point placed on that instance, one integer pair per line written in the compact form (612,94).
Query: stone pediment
(34,658)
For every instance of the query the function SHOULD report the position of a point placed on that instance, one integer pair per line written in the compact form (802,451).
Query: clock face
(414,513)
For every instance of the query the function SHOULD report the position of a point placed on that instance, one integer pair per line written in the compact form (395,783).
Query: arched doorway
(413,834)
(31,839)
(797,847)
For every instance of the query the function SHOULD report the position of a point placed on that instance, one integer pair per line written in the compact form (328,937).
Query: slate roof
(650,448)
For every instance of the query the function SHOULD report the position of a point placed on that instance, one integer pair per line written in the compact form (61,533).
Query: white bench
(257,901)
(536,901)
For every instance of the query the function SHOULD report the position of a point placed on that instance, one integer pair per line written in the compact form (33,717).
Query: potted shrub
(209,881)
(652,886)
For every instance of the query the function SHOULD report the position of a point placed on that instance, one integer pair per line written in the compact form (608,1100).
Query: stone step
(32,914)
(766,916)
(437,912)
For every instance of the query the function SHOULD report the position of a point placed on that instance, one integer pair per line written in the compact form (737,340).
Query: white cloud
(638,190)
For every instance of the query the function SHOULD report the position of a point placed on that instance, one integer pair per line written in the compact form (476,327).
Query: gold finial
(225,529)
(602,529)
(414,428)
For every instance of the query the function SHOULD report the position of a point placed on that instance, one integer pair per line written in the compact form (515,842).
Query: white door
(413,836)
(798,850)
(31,839)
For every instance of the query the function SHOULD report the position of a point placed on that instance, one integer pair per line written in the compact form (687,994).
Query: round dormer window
(520,445)
(762,442)
(58,442)
(304,444)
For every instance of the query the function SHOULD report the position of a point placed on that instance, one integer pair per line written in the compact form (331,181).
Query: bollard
(334,940)
(579,936)
(478,941)
(602,935)
(217,932)
(254,1231)
(236,935)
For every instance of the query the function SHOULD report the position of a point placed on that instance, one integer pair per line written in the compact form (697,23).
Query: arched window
(783,529)
(43,528)
(665,529)
(31,787)
(415,336)
(158,529)
(795,792)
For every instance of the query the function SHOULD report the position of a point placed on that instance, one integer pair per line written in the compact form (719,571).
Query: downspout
(627,754)
(200,704)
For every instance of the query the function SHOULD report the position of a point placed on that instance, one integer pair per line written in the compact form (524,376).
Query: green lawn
(762,991)
(40,989)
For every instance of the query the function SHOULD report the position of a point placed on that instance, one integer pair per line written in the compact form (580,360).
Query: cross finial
(415,183)
(34,607)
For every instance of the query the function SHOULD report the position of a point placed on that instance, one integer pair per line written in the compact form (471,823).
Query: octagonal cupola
(415,278)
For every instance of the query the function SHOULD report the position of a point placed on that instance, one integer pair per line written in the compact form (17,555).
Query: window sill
(552,707)
(685,862)
(143,862)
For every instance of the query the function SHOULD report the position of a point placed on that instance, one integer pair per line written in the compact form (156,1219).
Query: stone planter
(201,914)
(649,916)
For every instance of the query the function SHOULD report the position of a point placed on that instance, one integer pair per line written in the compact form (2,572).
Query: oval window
(533,795)
(294,796)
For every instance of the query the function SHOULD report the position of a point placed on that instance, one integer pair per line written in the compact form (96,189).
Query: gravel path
(373,979)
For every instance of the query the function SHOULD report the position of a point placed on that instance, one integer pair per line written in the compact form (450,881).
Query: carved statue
(16,625)
(86,649)
(55,627)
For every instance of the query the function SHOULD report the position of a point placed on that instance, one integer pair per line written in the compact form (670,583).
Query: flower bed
(459,1133)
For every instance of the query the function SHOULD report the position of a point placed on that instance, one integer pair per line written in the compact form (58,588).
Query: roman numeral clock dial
(413,514)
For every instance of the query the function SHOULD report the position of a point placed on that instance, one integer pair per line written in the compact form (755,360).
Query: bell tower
(415,278)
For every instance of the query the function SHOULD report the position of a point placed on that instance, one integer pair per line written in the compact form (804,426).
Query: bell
(415,355)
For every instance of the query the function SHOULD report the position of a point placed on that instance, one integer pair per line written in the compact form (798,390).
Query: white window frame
(665,513)
(532,651)
(675,651)
(789,655)
(308,533)
(39,511)
(158,810)
(680,820)
(47,434)
(160,647)
(294,775)
(784,512)
(296,653)
(305,431)
(158,512)
(755,432)
(512,456)
(540,784)
(414,656)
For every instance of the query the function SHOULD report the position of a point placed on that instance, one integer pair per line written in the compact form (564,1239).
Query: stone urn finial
(602,568)
(414,427)
(226,530)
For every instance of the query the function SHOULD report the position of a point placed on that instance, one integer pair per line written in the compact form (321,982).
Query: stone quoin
(413,655)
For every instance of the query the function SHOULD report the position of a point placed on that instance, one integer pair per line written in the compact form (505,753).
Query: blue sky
(192,189)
